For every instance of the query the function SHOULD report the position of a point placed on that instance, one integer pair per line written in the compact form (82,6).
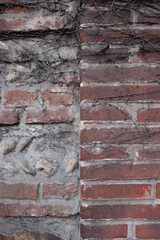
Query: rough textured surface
(39,120)
(120,119)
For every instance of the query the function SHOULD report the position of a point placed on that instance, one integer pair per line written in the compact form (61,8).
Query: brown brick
(116,191)
(106,17)
(121,93)
(18,98)
(66,191)
(97,153)
(115,211)
(148,115)
(149,55)
(148,231)
(48,116)
(124,171)
(116,74)
(105,56)
(8,117)
(158,190)
(147,18)
(18,191)
(149,154)
(36,210)
(101,112)
(121,135)
(36,23)
(57,98)
(104,231)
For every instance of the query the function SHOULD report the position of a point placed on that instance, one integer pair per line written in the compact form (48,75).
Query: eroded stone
(49,168)
(8,146)
(27,169)
(72,164)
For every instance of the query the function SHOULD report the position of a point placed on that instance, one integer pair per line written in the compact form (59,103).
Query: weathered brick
(36,210)
(149,55)
(148,231)
(115,211)
(116,191)
(124,171)
(121,93)
(111,55)
(18,98)
(148,18)
(148,115)
(148,154)
(121,135)
(101,112)
(123,37)
(66,191)
(57,98)
(158,190)
(97,153)
(8,117)
(106,17)
(48,116)
(116,74)
(104,231)
(105,36)
(36,23)
(18,191)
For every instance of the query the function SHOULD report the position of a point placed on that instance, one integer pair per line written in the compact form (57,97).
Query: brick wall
(120,115)
(39,119)
(79,76)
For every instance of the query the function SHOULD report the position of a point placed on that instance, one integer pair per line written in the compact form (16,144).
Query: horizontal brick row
(119,36)
(20,98)
(96,153)
(121,136)
(116,191)
(146,231)
(135,211)
(121,93)
(124,171)
(117,74)
(36,210)
(30,191)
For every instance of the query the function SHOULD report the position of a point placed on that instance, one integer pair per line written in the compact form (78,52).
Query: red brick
(116,74)
(149,55)
(119,36)
(101,112)
(48,116)
(36,23)
(66,191)
(106,17)
(8,117)
(57,98)
(18,98)
(148,231)
(112,55)
(158,190)
(121,211)
(121,93)
(104,231)
(116,191)
(124,171)
(148,154)
(146,18)
(97,153)
(121,136)
(36,210)
(105,36)
(18,191)
(17,9)
(148,115)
